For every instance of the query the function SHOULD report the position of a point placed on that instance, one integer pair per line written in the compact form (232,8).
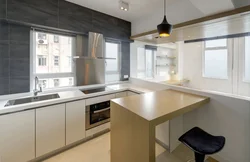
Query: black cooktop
(89,91)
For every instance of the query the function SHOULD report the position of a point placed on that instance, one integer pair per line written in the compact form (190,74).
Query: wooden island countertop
(134,118)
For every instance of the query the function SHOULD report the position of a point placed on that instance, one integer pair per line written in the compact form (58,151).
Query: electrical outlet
(125,76)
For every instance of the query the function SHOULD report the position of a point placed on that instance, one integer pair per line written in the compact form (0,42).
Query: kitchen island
(135,118)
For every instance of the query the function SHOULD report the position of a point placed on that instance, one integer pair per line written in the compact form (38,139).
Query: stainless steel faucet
(36,91)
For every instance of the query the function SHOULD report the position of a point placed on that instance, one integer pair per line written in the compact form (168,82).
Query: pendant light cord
(165,7)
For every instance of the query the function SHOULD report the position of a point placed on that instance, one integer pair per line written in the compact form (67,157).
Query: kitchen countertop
(68,95)
(161,104)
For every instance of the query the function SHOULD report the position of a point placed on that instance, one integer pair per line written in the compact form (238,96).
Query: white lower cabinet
(75,121)
(50,129)
(17,136)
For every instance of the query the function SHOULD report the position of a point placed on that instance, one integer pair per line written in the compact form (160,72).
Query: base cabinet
(17,137)
(50,129)
(75,121)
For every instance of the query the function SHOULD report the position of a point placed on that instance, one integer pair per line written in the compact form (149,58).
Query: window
(42,60)
(215,59)
(141,63)
(149,63)
(56,60)
(145,62)
(56,39)
(51,60)
(42,36)
(247,60)
(112,65)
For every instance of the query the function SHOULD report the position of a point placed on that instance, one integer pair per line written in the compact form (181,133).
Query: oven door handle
(98,111)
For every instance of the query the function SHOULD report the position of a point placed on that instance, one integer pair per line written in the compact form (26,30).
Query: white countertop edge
(68,96)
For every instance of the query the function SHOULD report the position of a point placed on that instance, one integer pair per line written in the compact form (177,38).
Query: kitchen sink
(31,99)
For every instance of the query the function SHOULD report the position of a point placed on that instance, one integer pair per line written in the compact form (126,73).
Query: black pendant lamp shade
(164,29)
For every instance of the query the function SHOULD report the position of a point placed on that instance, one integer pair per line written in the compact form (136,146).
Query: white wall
(224,115)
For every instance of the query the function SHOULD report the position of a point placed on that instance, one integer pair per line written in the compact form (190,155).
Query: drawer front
(99,99)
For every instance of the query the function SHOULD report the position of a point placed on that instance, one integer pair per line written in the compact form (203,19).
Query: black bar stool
(202,143)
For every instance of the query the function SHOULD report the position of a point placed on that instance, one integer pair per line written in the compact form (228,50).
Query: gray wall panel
(42,12)
(74,17)
(2,8)
(4,85)
(19,85)
(125,61)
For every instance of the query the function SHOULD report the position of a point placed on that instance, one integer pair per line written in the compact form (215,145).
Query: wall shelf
(166,57)
(164,65)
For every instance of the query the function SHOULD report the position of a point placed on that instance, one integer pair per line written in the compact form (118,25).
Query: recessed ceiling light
(124,5)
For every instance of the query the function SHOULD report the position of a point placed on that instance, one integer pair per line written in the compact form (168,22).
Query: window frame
(44,76)
(118,71)
(154,53)
(141,70)
(204,49)
(244,79)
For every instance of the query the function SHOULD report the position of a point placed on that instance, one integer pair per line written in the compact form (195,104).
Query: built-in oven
(97,114)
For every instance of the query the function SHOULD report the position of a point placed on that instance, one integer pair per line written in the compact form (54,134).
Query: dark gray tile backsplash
(20,34)
(4,67)
(2,8)
(15,39)
(42,12)
(74,17)
(14,58)
(4,50)
(4,31)
(125,60)
(4,85)
(19,84)
(19,67)
(19,50)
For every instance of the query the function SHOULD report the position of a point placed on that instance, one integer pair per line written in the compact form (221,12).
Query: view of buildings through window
(53,55)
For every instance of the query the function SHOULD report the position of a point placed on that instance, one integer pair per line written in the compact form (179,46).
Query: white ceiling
(178,10)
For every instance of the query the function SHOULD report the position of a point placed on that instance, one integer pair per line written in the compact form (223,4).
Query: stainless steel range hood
(95,47)
(90,60)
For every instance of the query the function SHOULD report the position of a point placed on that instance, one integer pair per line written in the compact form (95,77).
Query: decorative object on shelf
(164,29)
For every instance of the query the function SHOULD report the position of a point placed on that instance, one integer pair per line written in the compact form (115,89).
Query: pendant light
(164,29)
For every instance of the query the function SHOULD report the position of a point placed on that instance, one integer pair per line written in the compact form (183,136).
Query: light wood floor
(97,150)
